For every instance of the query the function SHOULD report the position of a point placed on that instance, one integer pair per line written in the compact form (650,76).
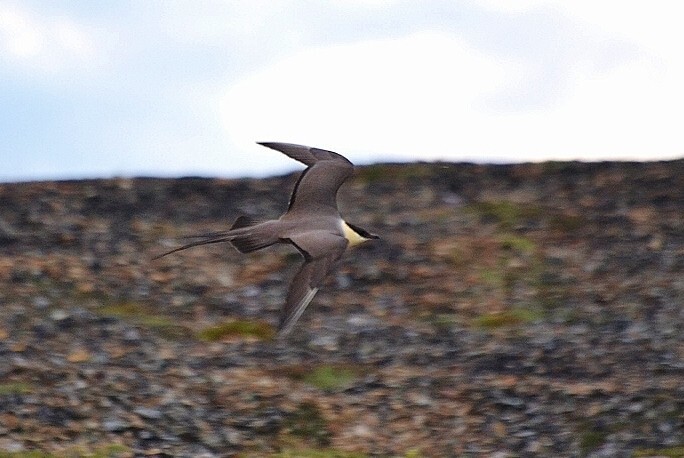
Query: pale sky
(176,88)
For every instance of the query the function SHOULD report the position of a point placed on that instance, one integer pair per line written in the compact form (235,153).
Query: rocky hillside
(509,310)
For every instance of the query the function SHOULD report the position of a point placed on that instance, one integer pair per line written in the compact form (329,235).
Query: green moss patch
(105,451)
(139,314)
(325,377)
(237,329)
(325,453)
(591,440)
(669,452)
(308,423)
(512,317)
(9,388)
(516,243)
(505,213)
(330,378)
(393,172)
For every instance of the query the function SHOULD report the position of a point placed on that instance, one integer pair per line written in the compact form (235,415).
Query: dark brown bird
(312,224)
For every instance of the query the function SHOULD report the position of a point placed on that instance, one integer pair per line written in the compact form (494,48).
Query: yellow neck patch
(351,235)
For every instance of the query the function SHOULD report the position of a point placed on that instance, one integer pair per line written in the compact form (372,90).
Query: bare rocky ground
(519,310)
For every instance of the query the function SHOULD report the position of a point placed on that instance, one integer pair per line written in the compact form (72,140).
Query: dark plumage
(312,224)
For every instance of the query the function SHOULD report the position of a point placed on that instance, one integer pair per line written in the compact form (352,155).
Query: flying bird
(312,224)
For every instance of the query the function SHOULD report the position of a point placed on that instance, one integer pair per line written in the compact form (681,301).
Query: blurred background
(186,88)
(519,302)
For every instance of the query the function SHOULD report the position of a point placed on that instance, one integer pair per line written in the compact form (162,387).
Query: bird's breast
(351,235)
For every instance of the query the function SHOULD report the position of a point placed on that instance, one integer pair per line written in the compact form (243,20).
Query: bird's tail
(251,235)
(246,235)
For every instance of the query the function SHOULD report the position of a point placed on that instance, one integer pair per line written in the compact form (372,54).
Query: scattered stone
(114,425)
(508,310)
(148,413)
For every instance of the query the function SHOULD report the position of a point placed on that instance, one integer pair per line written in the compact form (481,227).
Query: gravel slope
(518,310)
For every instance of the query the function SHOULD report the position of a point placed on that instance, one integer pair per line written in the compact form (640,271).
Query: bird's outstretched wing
(304,154)
(316,188)
(305,285)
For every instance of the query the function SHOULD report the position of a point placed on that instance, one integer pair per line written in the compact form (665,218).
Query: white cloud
(655,27)
(45,44)
(19,37)
(507,6)
(375,79)
(394,95)
(430,95)
(366,4)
